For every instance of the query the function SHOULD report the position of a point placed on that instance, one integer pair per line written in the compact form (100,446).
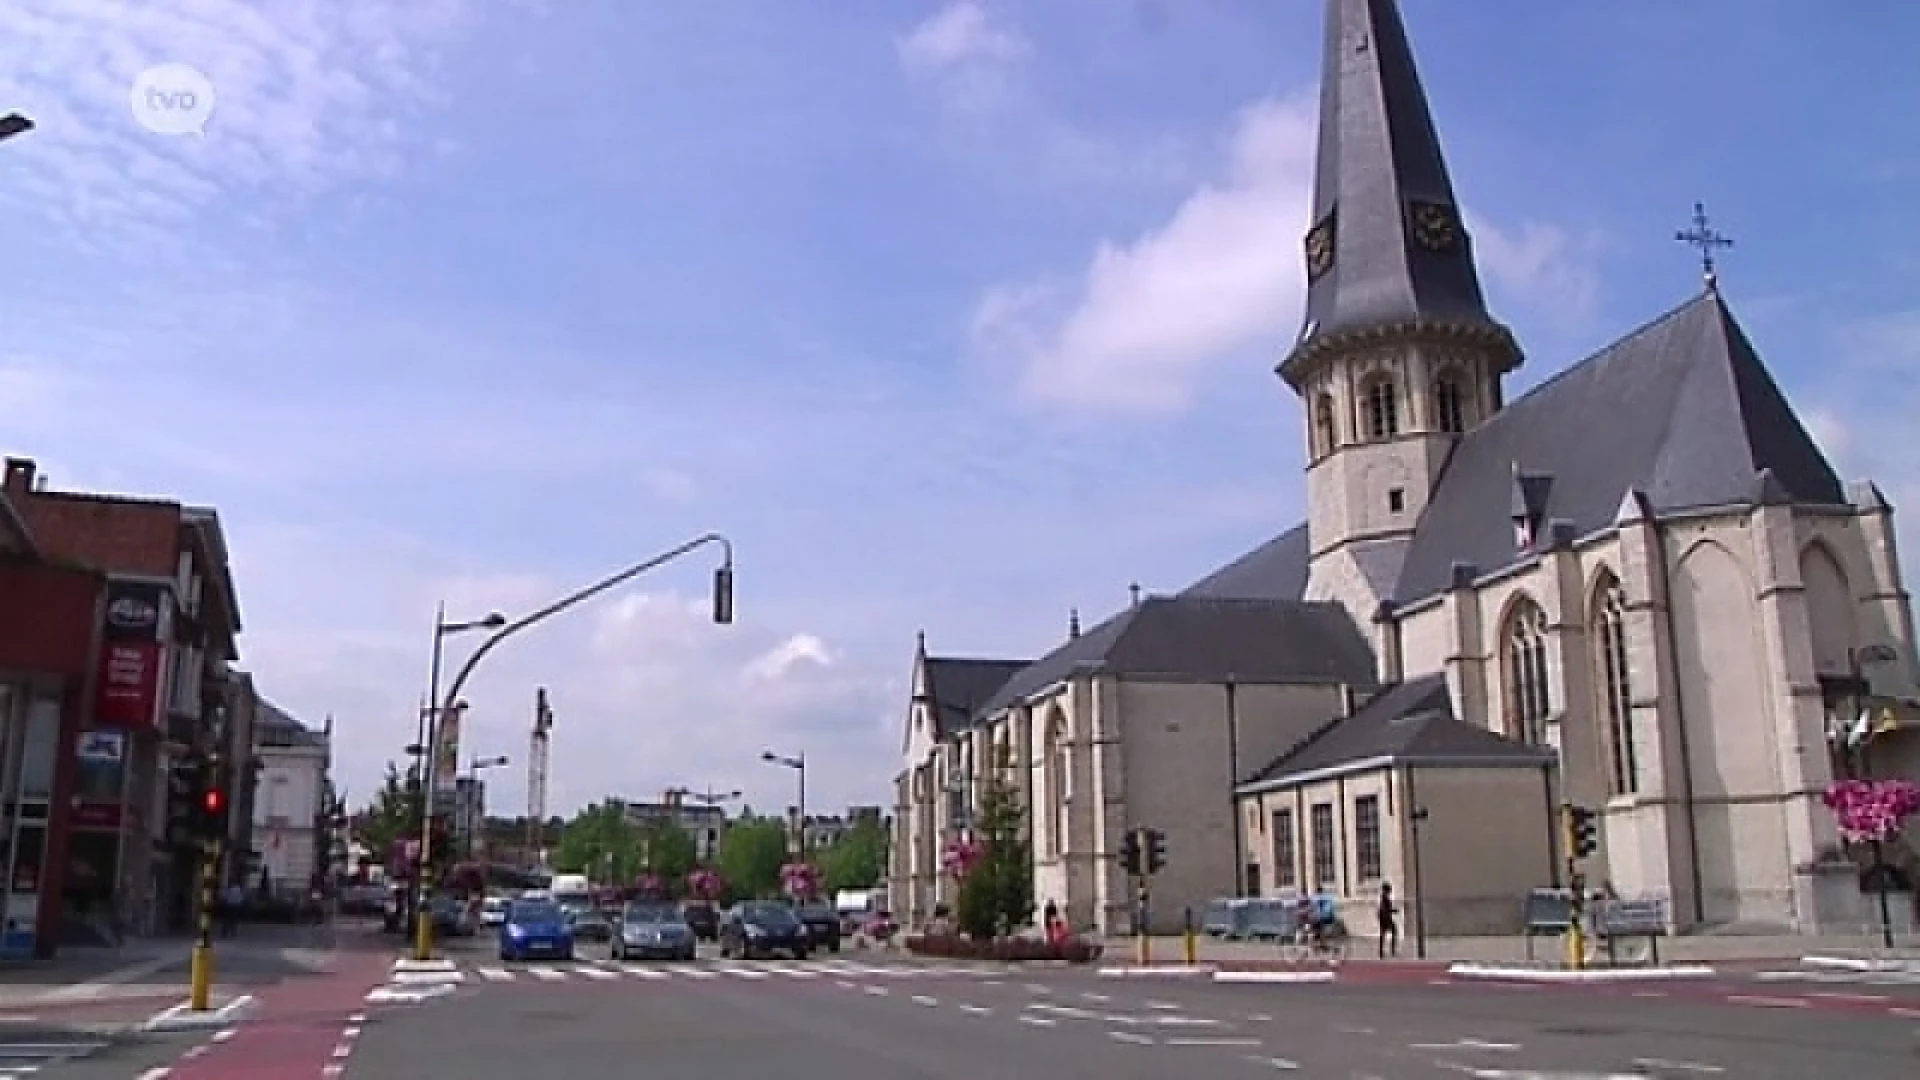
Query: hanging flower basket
(800,881)
(649,887)
(705,884)
(1870,811)
(961,857)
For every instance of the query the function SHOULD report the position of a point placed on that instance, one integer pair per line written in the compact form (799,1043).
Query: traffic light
(1156,851)
(1130,852)
(209,800)
(1583,831)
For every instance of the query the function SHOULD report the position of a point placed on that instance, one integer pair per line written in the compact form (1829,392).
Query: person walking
(1389,922)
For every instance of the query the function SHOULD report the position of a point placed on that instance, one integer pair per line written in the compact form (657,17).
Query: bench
(1644,919)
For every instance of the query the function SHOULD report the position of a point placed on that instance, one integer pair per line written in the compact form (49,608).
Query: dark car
(822,923)
(535,928)
(590,924)
(762,929)
(451,916)
(653,932)
(703,920)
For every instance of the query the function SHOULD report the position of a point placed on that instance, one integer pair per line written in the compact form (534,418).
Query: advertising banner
(131,652)
(446,754)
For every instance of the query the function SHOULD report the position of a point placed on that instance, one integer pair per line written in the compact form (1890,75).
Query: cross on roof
(1705,237)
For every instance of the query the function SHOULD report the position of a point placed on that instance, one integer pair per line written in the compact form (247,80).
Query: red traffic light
(214,800)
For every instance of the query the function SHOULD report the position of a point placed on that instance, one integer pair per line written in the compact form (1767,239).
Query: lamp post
(14,124)
(722,615)
(1419,818)
(1859,686)
(798,763)
(428,741)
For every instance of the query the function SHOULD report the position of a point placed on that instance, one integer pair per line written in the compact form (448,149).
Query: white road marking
(1907,1014)
(1864,999)
(742,972)
(640,972)
(976,1010)
(548,974)
(1166,1006)
(878,991)
(1096,997)
(1468,1044)
(596,972)
(922,999)
(495,974)
(1225,1041)
(1278,1063)
(1769,1002)
(1038,989)
(692,972)
(1038,1021)
(1677,1066)
(1130,1037)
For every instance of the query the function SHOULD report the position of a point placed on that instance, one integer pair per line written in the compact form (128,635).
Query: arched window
(1056,781)
(1450,402)
(1325,435)
(1382,407)
(1528,701)
(1609,622)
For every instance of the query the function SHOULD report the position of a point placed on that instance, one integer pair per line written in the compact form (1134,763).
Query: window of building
(1366,838)
(1326,436)
(1616,698)
(1450,402)
(1286,851)
(1382,409)
(1057,783)
(1324,863)
(1528,701)
(1396,500)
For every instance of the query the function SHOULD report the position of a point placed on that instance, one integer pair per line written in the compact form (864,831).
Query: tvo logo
(172,99)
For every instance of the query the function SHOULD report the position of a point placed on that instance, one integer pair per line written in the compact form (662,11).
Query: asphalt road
(833,1021)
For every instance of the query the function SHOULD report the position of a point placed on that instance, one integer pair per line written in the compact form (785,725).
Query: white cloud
(310,94)
(961,33)
(1547,268)
(1148,316)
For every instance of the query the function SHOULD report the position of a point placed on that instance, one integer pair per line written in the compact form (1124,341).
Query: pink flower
(705,884)
(800,880)
(1872,810)
(961,857)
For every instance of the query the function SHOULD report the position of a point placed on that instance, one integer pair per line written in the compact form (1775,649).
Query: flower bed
(1004,950)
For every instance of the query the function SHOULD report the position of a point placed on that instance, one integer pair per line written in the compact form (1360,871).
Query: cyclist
(1322,914)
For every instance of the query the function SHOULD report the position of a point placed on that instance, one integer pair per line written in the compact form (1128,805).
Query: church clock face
(1435,226)
(1320,248)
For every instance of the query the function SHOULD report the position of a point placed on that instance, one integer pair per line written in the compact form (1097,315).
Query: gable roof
(1681,409)
(958,686)
(1205,639)
(1409,723)
(1276,570)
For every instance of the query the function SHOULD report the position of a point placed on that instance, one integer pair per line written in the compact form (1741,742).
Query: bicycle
(1329,944)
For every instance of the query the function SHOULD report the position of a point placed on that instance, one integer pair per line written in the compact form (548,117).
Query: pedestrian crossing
(743,970)
(1843,976)
(19,1060)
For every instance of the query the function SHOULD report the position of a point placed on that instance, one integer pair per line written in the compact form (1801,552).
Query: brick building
(156,683)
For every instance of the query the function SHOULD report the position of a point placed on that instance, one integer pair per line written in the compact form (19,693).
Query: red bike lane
(296,1029)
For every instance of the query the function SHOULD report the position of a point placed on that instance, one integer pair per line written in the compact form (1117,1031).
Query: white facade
(286,810)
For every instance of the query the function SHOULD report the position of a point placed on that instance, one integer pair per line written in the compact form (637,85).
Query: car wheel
(800,954)
(833,946)
(567,956)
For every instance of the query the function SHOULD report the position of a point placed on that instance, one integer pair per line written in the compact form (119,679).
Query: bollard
(1189,941)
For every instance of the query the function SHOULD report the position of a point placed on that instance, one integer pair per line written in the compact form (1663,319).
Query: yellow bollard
(200,989)
(201,998)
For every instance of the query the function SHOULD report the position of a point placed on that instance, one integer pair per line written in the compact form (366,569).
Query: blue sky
(954,316)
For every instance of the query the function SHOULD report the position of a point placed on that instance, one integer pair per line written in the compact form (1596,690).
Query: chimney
(20,476)
(1073,624)
(1349,700)
(1134,591)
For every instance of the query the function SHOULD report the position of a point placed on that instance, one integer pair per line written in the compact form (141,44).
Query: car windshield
(535,913)
(769,915)
(651,913)
(814,911)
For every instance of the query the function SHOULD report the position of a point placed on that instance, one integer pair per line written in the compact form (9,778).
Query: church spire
(1387,248)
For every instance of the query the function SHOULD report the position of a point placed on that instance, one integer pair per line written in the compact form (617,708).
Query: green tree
(751,854)
(996,899)
(668,850)
(600,843)
(858,860)
(392,814)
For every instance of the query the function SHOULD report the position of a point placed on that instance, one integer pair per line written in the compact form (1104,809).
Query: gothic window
(1325,434)
(1056,780)
(1450,402)
(1528,701)
(1382,407)
(1616,699)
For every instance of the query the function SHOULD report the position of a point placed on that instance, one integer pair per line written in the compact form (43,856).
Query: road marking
(1909,1014)
(1096,997)
(159,1072)
(1677,1066)
(1864,999)
(1130,1037)
(1649,993)
(1468,1044)
(1768,1002)
(227,1033)
(596,972)
(1166,1006)
(639,972)
(351,1031)
(1277,1063)
(1038,1021)
(692,972)
(846,984)
(878,991)
(976,1010)
(548,974)
(922,999)
(794,972)
(1184,1021)
(1209,1041)
(494,974)
(1342,1029)
(1038,989)
(1067,1011)
(742,972)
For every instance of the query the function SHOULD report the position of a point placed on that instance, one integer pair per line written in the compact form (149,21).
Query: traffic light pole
(1577,887)
(200,998)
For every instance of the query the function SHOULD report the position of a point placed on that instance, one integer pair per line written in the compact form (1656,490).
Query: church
(1639,588)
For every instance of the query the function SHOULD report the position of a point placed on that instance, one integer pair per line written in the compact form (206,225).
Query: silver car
(652,931)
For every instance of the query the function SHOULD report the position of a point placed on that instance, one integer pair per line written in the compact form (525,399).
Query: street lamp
(1858,687)
(14,124)
(798,763)
(502,630)
(476,811)
(1418,890)
(429,735)
(709,797)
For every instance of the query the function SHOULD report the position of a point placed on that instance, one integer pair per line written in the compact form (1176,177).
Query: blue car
(535,929)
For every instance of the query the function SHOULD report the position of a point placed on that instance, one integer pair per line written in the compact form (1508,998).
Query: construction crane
(537,775)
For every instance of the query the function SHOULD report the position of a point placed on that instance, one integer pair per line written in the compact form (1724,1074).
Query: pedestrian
(232,899)
(1389,922)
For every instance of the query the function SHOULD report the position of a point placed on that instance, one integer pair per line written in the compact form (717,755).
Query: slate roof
(1201,639)
(1276,570)
(1682,410)
(1378,156)
(1408,723)
(959,686)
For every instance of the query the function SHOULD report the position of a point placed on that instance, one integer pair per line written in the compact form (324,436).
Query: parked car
(653,932)
(452,916)
(493,911)
(535,928)
(590,924)
(822,923)
(762,929)
(703,920)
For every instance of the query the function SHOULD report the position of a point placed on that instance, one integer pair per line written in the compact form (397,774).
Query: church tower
(1398,356)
